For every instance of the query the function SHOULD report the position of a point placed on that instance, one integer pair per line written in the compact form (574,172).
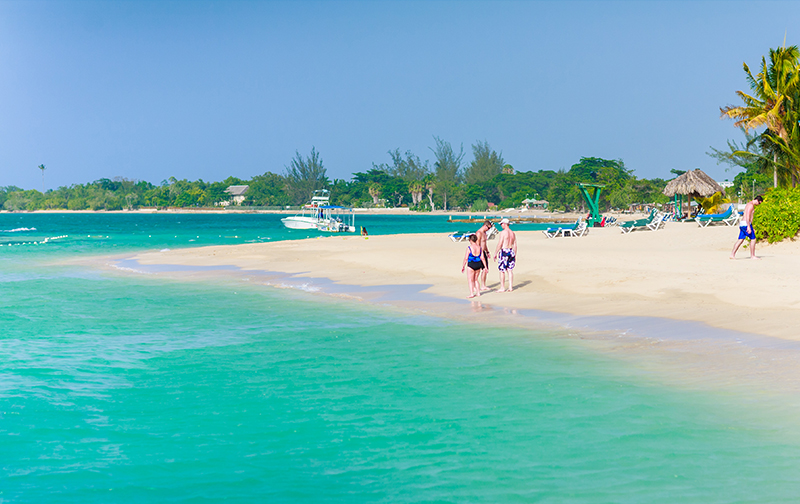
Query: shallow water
(130,388)
(119,232)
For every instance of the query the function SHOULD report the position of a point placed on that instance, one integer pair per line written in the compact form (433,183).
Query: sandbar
(680,272)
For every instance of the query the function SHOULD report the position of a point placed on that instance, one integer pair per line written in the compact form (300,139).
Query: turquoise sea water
(137,388)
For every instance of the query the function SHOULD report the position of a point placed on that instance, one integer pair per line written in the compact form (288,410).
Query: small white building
(237,193)
(535,204)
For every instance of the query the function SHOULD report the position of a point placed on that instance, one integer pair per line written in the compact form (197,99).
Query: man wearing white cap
(507,250)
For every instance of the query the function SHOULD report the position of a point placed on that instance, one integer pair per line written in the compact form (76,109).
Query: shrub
(422,206)
(480,205)
(778,217)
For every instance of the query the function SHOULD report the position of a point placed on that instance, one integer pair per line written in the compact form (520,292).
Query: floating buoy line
(42,242)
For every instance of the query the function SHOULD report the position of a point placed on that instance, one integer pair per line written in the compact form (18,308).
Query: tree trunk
(689,206)
(775,170)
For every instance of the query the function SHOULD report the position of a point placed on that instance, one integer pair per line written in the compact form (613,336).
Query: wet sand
(681,272)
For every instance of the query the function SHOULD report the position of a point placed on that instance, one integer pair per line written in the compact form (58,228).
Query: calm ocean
(138,388)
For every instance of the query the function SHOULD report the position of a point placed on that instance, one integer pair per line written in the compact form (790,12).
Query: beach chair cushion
(729,217)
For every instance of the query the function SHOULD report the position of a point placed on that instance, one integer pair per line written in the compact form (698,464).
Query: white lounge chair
(458,236)
(729,217)
(657,222)
(580,230)
(565,231)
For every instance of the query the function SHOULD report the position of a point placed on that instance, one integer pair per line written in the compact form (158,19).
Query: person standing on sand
(746,228)
(474,258)
(507,259)
(481,234)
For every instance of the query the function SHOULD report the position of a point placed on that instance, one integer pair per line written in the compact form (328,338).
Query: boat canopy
(334,207)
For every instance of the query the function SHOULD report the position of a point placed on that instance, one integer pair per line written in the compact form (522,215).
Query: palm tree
(375,191)
(416,188)
(430,185)
(774,104)
(41,167)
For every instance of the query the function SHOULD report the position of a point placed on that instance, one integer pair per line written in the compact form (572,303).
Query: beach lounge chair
(492,233)
(553,232)
(658,221)
(628,226)
(729,217)
(580,230)
(459,236)
(609,221)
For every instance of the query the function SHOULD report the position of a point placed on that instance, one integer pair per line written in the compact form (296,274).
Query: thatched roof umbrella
(692,183)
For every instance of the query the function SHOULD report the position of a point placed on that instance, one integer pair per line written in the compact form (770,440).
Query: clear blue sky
(194,89)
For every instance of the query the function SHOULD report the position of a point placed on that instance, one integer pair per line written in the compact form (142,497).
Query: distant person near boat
(364,231)
(482,243)
(506,255)
(746,228)
(475,259)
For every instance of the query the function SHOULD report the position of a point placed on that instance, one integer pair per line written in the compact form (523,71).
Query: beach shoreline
(683,353)
(681,272)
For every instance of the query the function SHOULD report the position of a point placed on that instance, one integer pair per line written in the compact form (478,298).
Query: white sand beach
(681,272)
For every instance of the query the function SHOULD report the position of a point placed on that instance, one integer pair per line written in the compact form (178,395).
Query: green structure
(592,202)
(677,206)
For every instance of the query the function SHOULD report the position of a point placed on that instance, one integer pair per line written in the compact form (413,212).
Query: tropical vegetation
(778,217)
(770,153)
(769,116)
(405,180)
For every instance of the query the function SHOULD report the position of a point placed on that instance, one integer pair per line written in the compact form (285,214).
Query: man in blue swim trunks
(746,228)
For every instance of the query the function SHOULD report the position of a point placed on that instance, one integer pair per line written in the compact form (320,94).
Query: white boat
(311,214)
(337,219)
(320,215)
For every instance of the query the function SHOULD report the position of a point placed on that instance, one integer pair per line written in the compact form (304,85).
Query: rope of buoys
(48,239)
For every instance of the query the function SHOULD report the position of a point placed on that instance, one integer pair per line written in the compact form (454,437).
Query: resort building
(237,193)
(535,204)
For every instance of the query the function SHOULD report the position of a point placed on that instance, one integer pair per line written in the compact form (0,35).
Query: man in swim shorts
(481,234)
(746,228)
(506,255)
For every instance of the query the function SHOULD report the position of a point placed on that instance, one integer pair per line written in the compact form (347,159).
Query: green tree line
(406,180)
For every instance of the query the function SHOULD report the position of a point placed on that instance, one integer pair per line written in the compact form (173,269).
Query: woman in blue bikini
(475,259)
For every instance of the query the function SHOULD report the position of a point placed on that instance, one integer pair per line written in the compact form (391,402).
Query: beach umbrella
(693,183)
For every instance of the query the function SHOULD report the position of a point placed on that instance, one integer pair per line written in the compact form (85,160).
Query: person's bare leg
(502,282)
(484,274)
(753,250)
(736,247)
(510,280)
(471,282)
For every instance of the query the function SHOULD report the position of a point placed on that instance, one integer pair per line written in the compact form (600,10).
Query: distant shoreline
(494,214)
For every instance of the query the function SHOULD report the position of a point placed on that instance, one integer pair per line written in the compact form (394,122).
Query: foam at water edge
(18,230)
(131,270)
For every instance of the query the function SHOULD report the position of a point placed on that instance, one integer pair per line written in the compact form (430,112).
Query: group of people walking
(476,258)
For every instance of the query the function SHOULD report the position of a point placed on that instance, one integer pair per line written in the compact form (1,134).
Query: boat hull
(300,222)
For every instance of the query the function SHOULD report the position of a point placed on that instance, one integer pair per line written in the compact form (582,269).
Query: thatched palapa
(693,183)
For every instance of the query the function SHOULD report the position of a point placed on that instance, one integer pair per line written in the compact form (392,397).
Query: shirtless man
(746,228)
(506,256)
(481,234)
